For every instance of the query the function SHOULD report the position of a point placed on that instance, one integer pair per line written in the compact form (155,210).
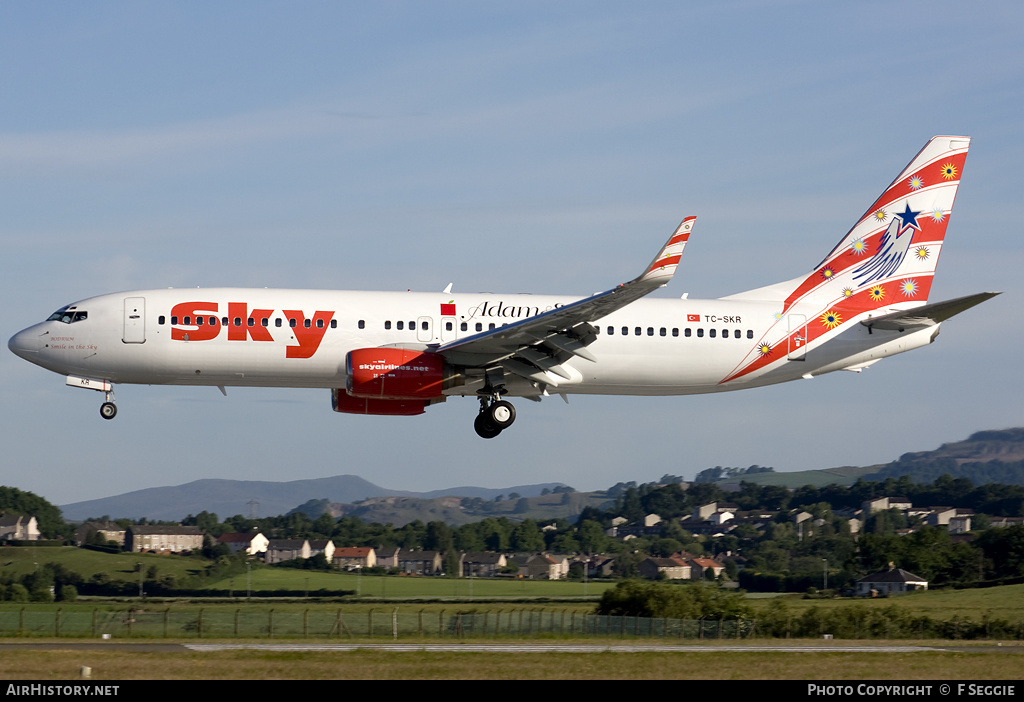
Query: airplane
(397,353)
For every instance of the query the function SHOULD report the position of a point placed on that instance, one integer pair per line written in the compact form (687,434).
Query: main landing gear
(495,414)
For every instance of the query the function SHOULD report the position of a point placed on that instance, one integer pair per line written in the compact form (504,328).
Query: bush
(677,601)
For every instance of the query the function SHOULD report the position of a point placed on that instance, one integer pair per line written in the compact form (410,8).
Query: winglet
(664,265)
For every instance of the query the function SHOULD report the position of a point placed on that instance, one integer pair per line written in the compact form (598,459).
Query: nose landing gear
(495,414)
(108,410)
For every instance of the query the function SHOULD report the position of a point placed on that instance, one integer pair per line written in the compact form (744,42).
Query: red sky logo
(199,321)
(448,309)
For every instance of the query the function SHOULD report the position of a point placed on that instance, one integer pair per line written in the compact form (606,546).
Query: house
(482,565)
(286,550)
(893,581)
(324,546)
(354,557)
(956,520)
(704,512)
(542,566)
(108,531)
(673,568)
(719,518)
(18,527)
(162,538)
(420,562)
(699,568)
(250,543)
(387,556)
(594,565)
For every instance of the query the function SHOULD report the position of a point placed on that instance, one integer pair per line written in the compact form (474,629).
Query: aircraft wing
(535,347)
(928,315)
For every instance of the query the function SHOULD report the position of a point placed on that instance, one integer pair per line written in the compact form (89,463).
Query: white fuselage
(300,338)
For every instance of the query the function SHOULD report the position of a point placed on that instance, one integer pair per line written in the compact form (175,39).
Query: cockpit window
(68,315)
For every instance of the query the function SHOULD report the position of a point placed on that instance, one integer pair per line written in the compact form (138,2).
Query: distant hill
(230,497)
(846,475)
(991,456)
(994,456)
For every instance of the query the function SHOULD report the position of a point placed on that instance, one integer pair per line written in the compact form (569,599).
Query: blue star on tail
(892,248)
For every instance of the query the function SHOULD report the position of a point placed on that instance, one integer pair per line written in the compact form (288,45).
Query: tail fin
(890,254)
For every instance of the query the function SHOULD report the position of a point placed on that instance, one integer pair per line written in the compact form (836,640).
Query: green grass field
(407,587)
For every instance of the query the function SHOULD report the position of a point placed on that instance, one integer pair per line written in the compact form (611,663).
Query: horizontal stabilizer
(928,315)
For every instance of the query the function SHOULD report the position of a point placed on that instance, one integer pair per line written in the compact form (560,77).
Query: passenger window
(611,331)
(187,320)
(174,320)
(265,322)
(675,331)
(448,326)
(424,326)
(750,333)
(687,332)
(398,325)
(334,324)
(725,333)
(160,320)
(664,332)
(238,321)
(464,326)
(251,322)
(637,331)
(625,331)
(387,324)
(291,323)
(224,321)
(305,323)
(199,321)
(277,321)
(650,331)
(700,332)
(711,333)
(319,324)
(479,326)
(362,323)
(489,326)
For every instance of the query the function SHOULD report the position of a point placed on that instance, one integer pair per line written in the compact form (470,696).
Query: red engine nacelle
(341,401)
(395,374)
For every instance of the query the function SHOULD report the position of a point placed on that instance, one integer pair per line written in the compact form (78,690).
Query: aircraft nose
(27,343)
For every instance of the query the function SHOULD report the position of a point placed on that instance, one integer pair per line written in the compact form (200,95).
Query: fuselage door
(797,337)
(134,320)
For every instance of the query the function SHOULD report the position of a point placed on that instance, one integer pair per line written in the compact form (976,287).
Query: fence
(394,623)
(391,623)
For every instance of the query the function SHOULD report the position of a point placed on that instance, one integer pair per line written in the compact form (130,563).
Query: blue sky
(529,146)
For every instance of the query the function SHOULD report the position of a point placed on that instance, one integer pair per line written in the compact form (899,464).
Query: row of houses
(718,518)
(179,539)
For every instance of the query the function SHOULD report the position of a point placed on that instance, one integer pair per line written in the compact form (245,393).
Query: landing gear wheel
(108,410)
(485,428)
(501,414)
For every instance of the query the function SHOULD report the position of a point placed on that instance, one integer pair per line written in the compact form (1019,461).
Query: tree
(526,536)
(591,536)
